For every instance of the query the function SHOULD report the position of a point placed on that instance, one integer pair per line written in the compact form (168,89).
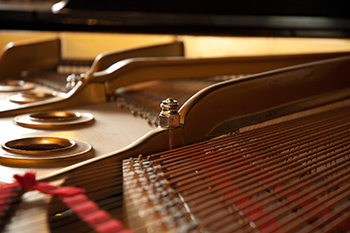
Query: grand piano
(176,116)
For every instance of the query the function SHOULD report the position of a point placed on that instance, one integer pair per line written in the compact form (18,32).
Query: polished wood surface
(226,114)
(175,64)
(115,134)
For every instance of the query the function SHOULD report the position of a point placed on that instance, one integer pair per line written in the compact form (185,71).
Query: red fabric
(26,181)
(96,217)
(9,194)
(75,199)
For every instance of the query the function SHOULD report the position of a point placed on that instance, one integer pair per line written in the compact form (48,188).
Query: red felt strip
(75,199)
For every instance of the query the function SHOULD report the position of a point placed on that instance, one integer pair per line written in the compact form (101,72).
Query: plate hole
(37,145)
(36,95)
(54,116)
(12,83)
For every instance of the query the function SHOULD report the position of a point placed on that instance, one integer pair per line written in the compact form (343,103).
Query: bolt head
(171,121)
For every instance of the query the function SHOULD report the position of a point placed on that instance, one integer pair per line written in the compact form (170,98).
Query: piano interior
(175,117)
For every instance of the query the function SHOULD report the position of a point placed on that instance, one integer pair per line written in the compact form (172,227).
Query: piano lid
(298,18)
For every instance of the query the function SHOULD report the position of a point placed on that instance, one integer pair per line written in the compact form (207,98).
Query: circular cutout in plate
(54,116)
(15,85)
(79,149)
(53,119)
(30,97)
(36,95)
(37,145)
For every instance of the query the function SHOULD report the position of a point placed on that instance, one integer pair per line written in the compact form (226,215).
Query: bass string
(341,122)
(104,180)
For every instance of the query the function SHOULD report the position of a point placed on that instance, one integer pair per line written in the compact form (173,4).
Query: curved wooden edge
(136,70)
(98,85)
(218,108)
(229,105)
(104,60)
(29,55)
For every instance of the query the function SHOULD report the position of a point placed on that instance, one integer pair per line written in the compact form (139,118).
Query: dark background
(308,18)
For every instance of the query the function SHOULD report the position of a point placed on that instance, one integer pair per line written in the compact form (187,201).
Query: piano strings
(258,179)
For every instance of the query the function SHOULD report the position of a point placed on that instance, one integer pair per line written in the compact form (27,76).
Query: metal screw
(169,116)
